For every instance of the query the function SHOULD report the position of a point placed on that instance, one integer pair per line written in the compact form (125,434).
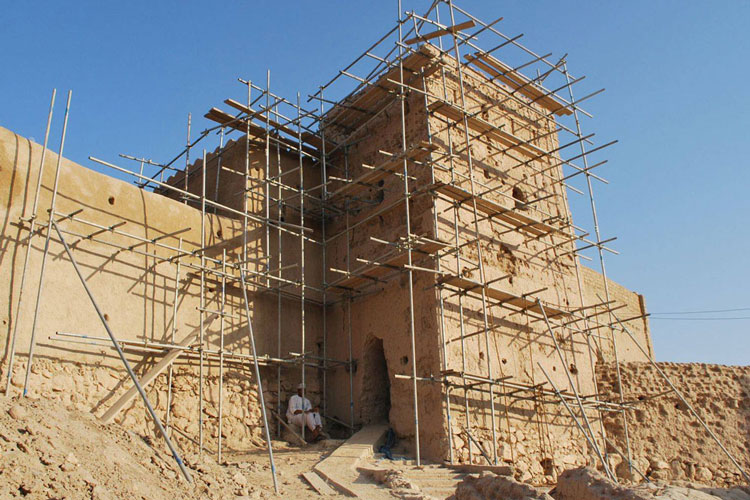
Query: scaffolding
(491,152)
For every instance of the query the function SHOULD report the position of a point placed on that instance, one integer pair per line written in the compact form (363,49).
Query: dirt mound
(495,487)
(588,484)
(49,451)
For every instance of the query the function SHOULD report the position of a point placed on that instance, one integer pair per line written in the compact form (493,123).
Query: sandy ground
(53,452)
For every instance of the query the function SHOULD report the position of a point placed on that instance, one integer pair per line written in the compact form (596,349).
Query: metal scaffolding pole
(412,332)
(202,305)
(32,342)
(173,331)
(600,253)
(350,366)
(32,224)
(221,345)
(279,236)
(324,196)
(303,350)
(187,155)
(480,258)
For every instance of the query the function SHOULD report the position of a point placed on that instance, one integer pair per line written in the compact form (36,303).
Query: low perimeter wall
(666,439)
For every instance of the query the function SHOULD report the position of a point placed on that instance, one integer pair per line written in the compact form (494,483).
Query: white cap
(301,386)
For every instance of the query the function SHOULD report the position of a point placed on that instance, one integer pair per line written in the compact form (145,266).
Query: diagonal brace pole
(575,391)
(150,409)
(258,381)
(573,416)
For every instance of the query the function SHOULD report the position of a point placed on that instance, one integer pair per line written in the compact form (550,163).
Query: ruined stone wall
(666,440)
(136,293)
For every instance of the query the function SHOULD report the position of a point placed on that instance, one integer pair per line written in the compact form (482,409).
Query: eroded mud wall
(667,441)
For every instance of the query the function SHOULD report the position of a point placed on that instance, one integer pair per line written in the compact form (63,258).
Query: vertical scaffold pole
(412,333)
(443,349)
(202,306)
(218,169)
(266,183)
(32,342)
(32,227)
(279,236)
(170,373)
(595,218)
(349,300)
(303,351)
(187,154)
(480,258)
(324,183)
(221,343)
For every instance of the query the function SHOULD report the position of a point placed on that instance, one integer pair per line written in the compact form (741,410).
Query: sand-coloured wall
(629,307)
(135,288)
(667,441)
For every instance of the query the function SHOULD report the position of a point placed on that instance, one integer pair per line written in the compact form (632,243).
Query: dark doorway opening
(375,400)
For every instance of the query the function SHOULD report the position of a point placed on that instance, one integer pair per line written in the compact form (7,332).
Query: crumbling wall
(136,291)
(666,440)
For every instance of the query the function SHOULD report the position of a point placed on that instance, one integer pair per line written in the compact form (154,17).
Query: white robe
(312,420)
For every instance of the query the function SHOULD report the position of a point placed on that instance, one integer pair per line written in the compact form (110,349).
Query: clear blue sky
(676,75)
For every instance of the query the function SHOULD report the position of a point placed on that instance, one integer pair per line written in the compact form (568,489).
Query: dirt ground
(50,451)
(53,452)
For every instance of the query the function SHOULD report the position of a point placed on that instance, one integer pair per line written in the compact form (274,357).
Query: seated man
(300,413)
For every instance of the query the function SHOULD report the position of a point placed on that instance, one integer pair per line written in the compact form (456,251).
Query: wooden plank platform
(307,137)
(518,82)
(241,125)
(388,167)
(368,101)
(501,296)
(368,274)
(445,31)
(495,210)
(260,116)
(487,129)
